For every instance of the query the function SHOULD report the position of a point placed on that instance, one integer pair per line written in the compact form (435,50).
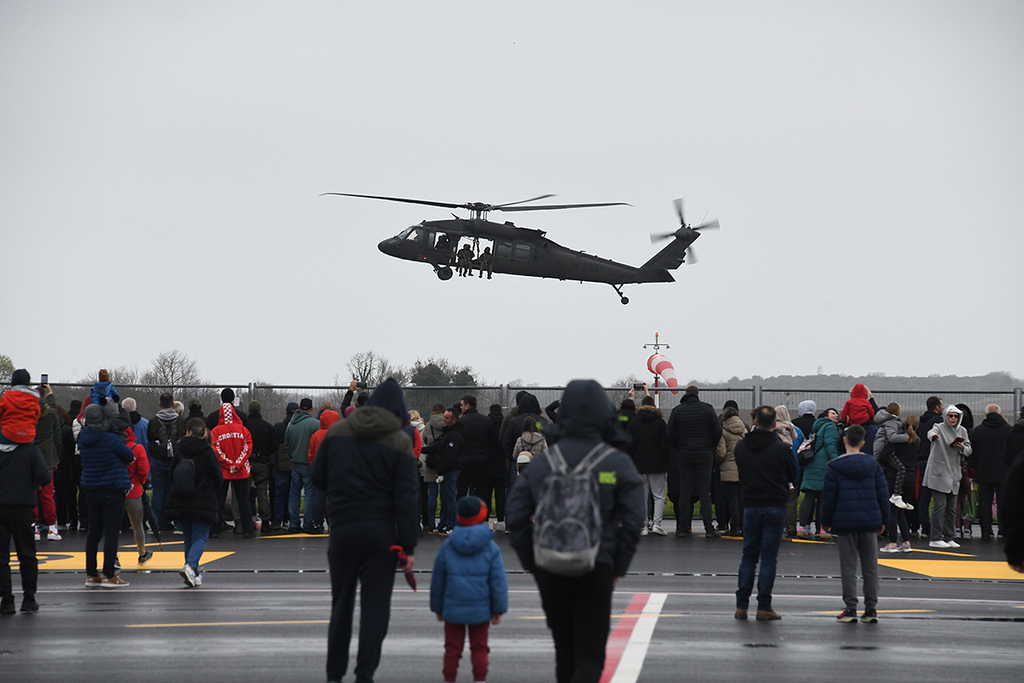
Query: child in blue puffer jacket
(468,590)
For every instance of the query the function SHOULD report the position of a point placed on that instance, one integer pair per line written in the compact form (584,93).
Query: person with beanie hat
(468,589)
(227,395)
(264,452)
(19,412)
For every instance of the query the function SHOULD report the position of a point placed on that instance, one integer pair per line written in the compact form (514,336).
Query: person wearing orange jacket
(232,443)
(327,418)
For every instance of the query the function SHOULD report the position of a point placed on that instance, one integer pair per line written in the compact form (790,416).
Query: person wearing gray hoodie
(950,447)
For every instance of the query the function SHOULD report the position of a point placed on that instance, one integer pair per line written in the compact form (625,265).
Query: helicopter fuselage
(522,251)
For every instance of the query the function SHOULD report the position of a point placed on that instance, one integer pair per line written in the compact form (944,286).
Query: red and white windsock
(658,364)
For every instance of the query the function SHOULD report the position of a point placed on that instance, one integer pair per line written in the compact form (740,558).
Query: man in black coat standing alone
(694,430)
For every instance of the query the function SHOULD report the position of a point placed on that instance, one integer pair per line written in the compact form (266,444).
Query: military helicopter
(515,250)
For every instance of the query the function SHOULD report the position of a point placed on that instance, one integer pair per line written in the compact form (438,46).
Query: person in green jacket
(302,426)
(826,449)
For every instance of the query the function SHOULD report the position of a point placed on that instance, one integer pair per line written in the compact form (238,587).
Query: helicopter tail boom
(674,253)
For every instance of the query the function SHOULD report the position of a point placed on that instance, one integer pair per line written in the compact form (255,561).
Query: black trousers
(695,480)
(986,493)
(106,510)
(240,492)
(578,613)
(16,523)
(359,552)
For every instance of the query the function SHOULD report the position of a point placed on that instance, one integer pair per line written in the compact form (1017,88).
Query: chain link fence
(274,399)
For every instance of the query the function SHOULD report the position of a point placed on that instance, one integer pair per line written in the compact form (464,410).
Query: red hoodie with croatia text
(232,443)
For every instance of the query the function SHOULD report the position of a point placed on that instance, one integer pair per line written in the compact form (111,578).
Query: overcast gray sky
(162,165)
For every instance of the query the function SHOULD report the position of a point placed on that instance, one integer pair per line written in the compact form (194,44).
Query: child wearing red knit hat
(468,590)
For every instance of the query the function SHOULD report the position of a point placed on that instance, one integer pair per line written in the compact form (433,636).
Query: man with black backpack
(164,432)
(577,599)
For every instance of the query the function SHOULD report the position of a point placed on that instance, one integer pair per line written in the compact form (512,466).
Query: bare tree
(172,369)
(6,369)
(367,366)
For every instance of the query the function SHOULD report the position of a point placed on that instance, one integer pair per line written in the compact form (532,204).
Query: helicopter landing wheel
(445,273)
(622,297)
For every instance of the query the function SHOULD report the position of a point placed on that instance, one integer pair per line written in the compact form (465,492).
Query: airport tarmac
(262,613)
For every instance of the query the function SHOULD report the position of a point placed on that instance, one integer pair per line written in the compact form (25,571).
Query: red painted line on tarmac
(620,636)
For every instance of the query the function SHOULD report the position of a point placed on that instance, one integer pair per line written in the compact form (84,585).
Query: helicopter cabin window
(522,252)
(503,250)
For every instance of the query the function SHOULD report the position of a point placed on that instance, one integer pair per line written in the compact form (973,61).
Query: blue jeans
(432,488)
(196,534)
(160,473)
(302,482)
(447,486)
(762,535)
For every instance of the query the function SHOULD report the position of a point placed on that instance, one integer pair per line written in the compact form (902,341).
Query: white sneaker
(499,526)
(890,548)
(952,544)
(189,575)
(659,531)
(52,534)
(38,537)
(938,544)
(905,547)
(897,500)
(644,531)
(199,580)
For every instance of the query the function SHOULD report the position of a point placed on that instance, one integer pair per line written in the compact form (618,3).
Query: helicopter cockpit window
(413,234)
(502,250)
(522,252)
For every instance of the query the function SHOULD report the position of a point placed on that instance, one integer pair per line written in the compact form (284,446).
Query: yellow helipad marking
(953,569)
(129,561)
(229,623)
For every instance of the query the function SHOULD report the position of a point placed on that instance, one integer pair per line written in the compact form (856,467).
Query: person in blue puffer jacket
(105,482)
(468,590)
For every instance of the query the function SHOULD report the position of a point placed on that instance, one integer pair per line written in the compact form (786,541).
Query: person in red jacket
(232,443)
(138,472)
(858,410)
(19,412)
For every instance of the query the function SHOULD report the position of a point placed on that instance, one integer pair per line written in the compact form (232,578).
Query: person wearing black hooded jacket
(988,440)
(767,470)
(367,467)
(694,430)
(578,608)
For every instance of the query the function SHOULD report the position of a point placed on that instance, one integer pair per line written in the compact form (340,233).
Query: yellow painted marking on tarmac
(299,535)
(948,553)
(152,545)
(952,569)
(229,623)
(129,561)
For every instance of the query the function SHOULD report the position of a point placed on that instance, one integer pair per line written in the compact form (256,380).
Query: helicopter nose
(388,246)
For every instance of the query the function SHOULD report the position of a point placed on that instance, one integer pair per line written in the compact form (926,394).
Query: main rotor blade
(679,210)
(659,236)
(709,225)
(545,207)
(400,199)
(498,207)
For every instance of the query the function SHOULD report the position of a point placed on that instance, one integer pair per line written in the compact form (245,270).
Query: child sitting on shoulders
(468,590)
(19,412)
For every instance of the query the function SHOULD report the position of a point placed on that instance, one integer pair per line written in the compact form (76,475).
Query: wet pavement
(263,609)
